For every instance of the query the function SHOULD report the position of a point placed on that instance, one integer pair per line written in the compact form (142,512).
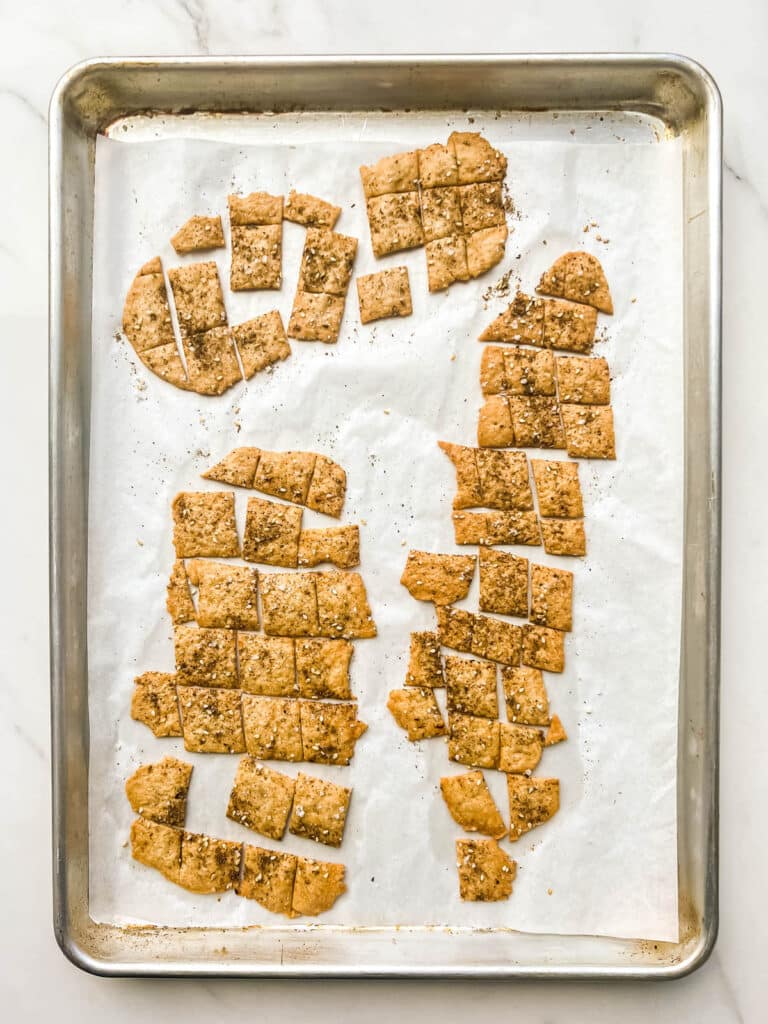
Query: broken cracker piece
(485,249)
(543,648)
(503,583)
(471,805)
(261,798)
(266,665)
(396,173)
(197,234)
(486,873)
(501,527)
(568,326)
(468,491)
(165,362)
(583,381)
(384,294)
(154,703)
(558,489)
(310,211)
(589,431)
(339,545)
(476,158)
(519,748)
(256,208)
(319,810)
(211,720)
(532,801)
(272,728)
(551,597)
(289,604)
(525,695)
(326,263)
(316,317)
(147,314)
(473,741)
(198,297)
(494,423)
(209,865)
(268,877)
(237,468)
(205,657)
(395,222)
(327,487)
(157,846)
(342,606)
(272,533)
(317,886)
(555,733)
(179,600)
(471,687)
(204,525)
(322,668)
(577,276)
(159,791)
(212,364)
(261,342)
(425,667)
(437,166)
(564,536)
(442,579)
(446,262)
(329,731)
(522,322)
(226,595)
(416,710)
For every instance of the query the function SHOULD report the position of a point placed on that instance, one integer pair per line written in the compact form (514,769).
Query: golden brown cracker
(212,364)
(454,627)
(327,487)
(317,886)
(165,362)
(285,475)
(197,234)
(496,640)
(471,805)
(485,249)
(486,873)
(503,583)
(583,381)
(178,600)
(211,720)
(310,211)
(237,468)
(536,421)
(532,801)
(261,798)
(289,604)
(157,846)
(568,326)
(316,317)
(493,371)
(342,606)
(471,687)
(204,525)
(416,710)
(468,492)
(256,208)
(558,488)
(154,703)
(209,865)
(261,342)
(159,791)
(395,222)
(268,877)
(494,423)
(425,667)
(147,314)
(589,431)
(205,657)
(330,731)
(384,294)
(266,665)
(272,728)
(555,733)
(442,579)
(529,372)
(519,748)
(396,173)
(473,741)
(322,668)
(476,158)
(522,322)
(198,297)
(504,480)
(551,597)
(257,257)
(543,648)
(500,527)
(272,533)
(481,206)
(326,263)
(440,213)
(339,545)
(564,537)
(319,810)
(525,695)
(437,166)
(578,276)
(446,262)
(227,595)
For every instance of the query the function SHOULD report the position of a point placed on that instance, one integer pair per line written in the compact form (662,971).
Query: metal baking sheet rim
(684,97)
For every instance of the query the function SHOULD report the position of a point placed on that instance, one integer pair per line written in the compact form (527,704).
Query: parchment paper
(378,402)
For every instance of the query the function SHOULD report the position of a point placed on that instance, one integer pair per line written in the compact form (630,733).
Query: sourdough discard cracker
(286,475)
(205,657)
(395,222)
(468,490)
(226,595)
(441,213)
(289,604)
(317,886)
(272,533)
(471,687)
(211,720)
(272,728)
(493,371)
(384,294)
(179,600)
(486,873)
(330,731)
(558,489)
(471,805)
(543,648)
(326,263)
(522,322)
(564,536)
(316,317)
(589,431)
(212,365)
(555,733)
(454,627)
(496,640)
(198,234)
(319,810)
(551,597)
(257,257)
(339,545)
(157,846)
(165,361)
(266,665)
(237,468)
(525,695)
(209,865)
(504,480)
(529,372)
(261,798)
(342,605)
(268,877)
(416,710)
(154,703)
(476,158)
(481,205)
(502,527)
(204,525)
(198,297)
(256,208)
(310,211)
(485,249)
(532,801)
(583,381)
(503,583)
(442,579)
(425,667)
(261,342)
(494,423)
(396,173)
(536,422)
(519,748)
(578,276)
(473,741)
(437,166)
(322,668)
(568,326)
(147,315)
(159,791)
(327,487)
(446,262)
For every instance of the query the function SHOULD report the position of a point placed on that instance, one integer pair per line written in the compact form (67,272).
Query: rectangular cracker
(272,533)
(503,583)
(256,208)
(261,798)
(395,222)
(342,606)
(197,234)
(481,205)
(272,728)
(471,687)
(257,257)
(522,322)
(209,865)
(416,710)
(327,487)
(446,262)
(494,423)
(471,805)
(473,741)
(178,600)
(268,878)
(441,213)
(564,536)
(310,211)
(267,665)
(154,703)
(317,886)
(211,720)
(536,422)
(205,657)
(396,173)
(486,873)
(504,480)
(529,372)
(543,648)
(157,846)
(468,490)
(384,294)
(476,158)
(589,431)
(496,640)
(238,467)
(159,791)
(485,249)
(322,668)
(326,263)
(261,342)
(289,604)
(198,297)
(442,579)
(212,364)
(425,668)
(204,525)
(339,545)
(227,595)
(319,810)
(285,475)
(316,317)
(532,801)
(437,166)
(330,731)
(520,748)
(583,380)
(454,628)
(558,488)
(502,527)
(525,695)
(551,597)
(493,371)
(568,326)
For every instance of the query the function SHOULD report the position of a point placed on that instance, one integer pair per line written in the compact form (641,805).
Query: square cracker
(286,475)
(532,801)
(327,487)
(339,545)
(178,600)
(536,422)
(395,222)
(257,257)
(486,873)
(384,294)
(529,372)
(589,431)
(502,527)
(416,710)
(468,491)
(330,731)
(473,741)
(496,640)
(147,315)
(197,234)
(261,342)
(442,579)
(568,326)
(503,583)
(520,748)
(446,262)
(159,791)
(319,810)
(154,703)
(157,846)
(289,604)
(493,371)
(268,878)
(551,597)
(238,467)
(165,362)
(494,423)
(564,536)
(316,317)
(256,208)
(317,886)
(425,667)
(326,263)
(481,205)
(322,668)
(437,166)
(525,695)
(272,728)
(310,211)
(212,365)
(485,249)
(342,606)
(272,533)
(476,158)
(583,380)
(454,627)
(471,805)
(543,648)
(558,489)
(204,525)
(211,720)
(504,480)
(205,657)
(471,687)
(266,665)
(227,595)
(261,798)
(441,213)
(396,173)
(521,322)
(198,296)
(209,865)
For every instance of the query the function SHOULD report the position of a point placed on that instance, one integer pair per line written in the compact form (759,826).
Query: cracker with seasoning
(578,276)
(543,648)
(442,579)
(227,595)
(157,846)
(319,810)
(551,597)
(496,640)
(384,294)
(205,657)
(583,381)
(468,490)
(179,601)
(237,468)
(520,748)
(503,583)
(416,710)
(316,317)
(339,545)
(198,297)
(272,532)
(261,798)
(211,720)
(494,423)
(525,695)
(330,731)
(473,741)
(486,873)
(272,728)
(261,343)
(312,212)
(209,865)
(532,802)
(266,665)
(154,703)
(471,805)
(256,240)
(267,878)
(317,886)
(289,604)
(454,627)
(471,687)
(204,525)
(558,488)
(322,668)
(342,606)
(589,431)
(198,234)
(286,475)
(425,667)
(564,536)
(499,527)
(159,791)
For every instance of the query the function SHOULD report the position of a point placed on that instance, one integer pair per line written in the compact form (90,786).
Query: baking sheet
(377,402)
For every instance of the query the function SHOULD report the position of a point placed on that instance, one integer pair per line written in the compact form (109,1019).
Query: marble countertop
(40,39)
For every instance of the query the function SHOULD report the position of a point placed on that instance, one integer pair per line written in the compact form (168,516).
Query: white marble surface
(39,40)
